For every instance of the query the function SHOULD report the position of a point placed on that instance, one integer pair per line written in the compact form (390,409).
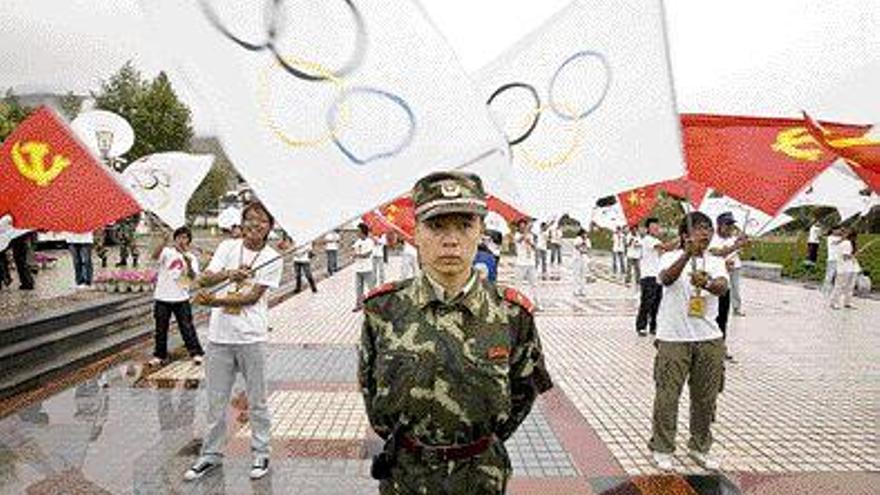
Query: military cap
(442,193)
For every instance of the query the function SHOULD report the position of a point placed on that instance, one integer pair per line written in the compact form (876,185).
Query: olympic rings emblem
(153,182)
(560,109)
(337,116)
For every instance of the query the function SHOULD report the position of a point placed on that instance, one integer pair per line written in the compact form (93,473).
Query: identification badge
(697,307)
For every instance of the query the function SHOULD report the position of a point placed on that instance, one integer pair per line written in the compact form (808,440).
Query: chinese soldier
(449,364)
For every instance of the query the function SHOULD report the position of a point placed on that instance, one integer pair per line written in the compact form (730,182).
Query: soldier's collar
(430,290)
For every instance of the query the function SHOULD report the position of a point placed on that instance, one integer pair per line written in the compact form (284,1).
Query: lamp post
(104,137)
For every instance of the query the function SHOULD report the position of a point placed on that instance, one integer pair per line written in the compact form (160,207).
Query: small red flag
(859,152)
(50,181)
(762,162)
(638,203)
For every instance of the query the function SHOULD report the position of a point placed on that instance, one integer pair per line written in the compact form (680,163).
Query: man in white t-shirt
(618,250)
(541,237)
(689,344)
(379,254)
(634,256)
(302,265)
(554,244)
(177,269)
(813,239)
(727,245)
(581,261)
(363,264)
(237,335)
(833,241)
(651,290)
(524,242)
(331,247)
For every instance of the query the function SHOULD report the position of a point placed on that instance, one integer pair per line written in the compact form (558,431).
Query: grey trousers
(735,298)
(378,270)
(224,361)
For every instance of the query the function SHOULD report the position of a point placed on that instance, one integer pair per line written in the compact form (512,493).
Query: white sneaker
(259,468)
(199,469)
(198,359)
(707,460)
(663,461)
(154,362)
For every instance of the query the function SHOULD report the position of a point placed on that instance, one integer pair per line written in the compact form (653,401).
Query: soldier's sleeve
(528,373)
(366,376)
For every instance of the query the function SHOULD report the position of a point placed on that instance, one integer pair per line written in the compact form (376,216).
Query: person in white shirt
(409,266)
(833,242)
(302,265)
(651,290)
(80,246)
(554,244)
(847,269)
(541,250)
(618,250)
(634,256)
(379,246)
(524,241)
(177,269)
(726,245)
(689,344)
(331,247)
(363,264)
(581,261)
(237,335)
(813,243)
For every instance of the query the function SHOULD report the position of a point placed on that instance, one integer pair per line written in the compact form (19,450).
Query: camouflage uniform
(449,373)
(125,232)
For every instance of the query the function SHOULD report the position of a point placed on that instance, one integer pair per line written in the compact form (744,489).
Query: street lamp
(104,137)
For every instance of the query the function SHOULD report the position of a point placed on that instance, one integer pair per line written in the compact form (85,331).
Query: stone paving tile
(316,415)
(535,450)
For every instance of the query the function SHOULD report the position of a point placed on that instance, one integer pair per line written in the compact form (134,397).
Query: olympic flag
(164,183)
(587,106)
(327,108)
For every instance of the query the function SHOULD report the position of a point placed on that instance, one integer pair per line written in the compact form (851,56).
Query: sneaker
(662,461)
(259,468)
(706,460)
(198,359)
(738,313)
(199,469)
(849,306)
(642,333)
(835,306)
(154,362)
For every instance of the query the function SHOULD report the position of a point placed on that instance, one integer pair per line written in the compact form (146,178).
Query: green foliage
(11,114)
(161,122)
(204,200)
(70,104)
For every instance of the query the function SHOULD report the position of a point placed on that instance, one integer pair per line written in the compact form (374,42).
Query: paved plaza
(800,411)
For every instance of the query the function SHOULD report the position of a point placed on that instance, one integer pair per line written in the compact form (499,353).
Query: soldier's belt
(443,453)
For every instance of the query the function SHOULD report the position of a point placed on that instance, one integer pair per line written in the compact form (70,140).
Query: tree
(161,122)
(70,104)
(11,113)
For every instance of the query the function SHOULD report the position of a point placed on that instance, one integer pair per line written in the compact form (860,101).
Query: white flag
(751,221)
(837,187)
(327,109)
(587,106)
(609,217)
(163,183)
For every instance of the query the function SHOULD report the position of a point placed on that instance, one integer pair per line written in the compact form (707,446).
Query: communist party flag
(638,203)
(862,154)
(50,181)
(762,162)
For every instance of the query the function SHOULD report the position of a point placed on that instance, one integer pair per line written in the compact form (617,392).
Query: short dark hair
(183,231)
(651,220)
(692,220)
(256,205)
(364,228)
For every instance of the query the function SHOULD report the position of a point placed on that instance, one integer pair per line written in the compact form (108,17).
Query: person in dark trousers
(302,263)
(652,291)
(726,245)
(178,267)
(20,247)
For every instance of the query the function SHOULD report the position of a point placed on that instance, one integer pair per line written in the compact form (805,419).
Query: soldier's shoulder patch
(383,289)
(514,296)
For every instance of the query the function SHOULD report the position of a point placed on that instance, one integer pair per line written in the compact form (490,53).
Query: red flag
(509,213)
(49,181)
(685,188)
(762,162)
(858,151)
(638,203)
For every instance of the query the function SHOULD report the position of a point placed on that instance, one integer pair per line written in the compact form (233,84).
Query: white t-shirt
(83,238)
(251,325)
(172,283)
(525,254)
(363,250)
(617,242)
(541,243)
(650,264)
(555,235)
(833,247)
(850,265)
(815,233)
(301,254)
(724,243)
(331,242)
(673,322)
(379,247)
(634,251)
(583,246)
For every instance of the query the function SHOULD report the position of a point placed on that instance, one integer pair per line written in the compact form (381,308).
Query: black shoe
(199,469)
(729,357)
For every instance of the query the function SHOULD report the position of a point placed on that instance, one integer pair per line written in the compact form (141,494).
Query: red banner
(49,181)
(859,152)
(762,162)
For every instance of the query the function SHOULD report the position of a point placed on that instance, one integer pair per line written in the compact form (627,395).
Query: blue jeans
(82,262)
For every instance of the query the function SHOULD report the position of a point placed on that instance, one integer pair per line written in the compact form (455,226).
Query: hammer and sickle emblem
(797,143)
(35,169)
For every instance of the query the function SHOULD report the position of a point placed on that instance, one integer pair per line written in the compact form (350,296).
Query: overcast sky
(759,57)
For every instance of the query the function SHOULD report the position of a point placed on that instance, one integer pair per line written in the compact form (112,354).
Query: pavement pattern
(799,413)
